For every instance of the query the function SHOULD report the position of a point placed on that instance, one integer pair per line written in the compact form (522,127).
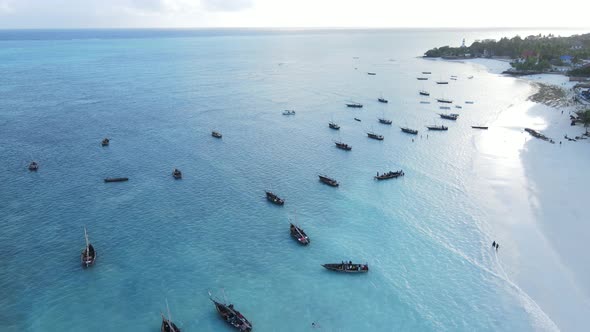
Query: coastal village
(535,55)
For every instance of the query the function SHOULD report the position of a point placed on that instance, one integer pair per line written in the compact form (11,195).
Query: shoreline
(538,213)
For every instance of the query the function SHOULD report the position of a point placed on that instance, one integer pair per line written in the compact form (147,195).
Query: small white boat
(288,112)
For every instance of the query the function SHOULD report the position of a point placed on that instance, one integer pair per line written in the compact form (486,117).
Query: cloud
(226,5)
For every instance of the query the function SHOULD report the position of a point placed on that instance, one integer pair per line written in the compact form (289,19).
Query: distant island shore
(534,54)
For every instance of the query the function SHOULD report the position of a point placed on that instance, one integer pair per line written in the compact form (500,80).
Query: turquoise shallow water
(158,96)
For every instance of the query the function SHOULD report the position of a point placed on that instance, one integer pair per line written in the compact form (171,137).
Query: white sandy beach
(535,196)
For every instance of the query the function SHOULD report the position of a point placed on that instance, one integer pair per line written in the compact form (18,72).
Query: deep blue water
(158,98)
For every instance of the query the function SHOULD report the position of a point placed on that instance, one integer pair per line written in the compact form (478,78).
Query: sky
(18,14)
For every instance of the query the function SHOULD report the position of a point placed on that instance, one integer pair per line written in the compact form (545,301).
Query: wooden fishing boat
(177,174)
(445,107)
(384,121)
(409,131)
(479,127)
(371,73)
(105,142)
(354,105)
(329,181)
(298,234)
(274,198)
(33,166)
(375,136)
(232,316)
(422,78)
(424,93)
(389,175)
(442,82)
(343,146)
(383,100)
(168,326)
(357,119)
(449,116)
(216,134)
(116,179)
(88,255)
(443,100)
(437,128)
(347,267)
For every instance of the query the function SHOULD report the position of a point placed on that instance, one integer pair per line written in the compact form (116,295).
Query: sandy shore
(537,209)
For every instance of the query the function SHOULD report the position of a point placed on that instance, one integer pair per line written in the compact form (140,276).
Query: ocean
(158,94)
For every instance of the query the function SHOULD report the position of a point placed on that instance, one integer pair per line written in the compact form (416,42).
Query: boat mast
(169,317)
(87,243)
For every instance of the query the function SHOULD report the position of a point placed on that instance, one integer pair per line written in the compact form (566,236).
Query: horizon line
(303,28)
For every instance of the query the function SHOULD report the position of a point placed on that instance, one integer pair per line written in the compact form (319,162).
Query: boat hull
(347,268)
(107,180)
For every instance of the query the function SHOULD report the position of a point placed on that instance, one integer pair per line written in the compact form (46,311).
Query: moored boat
(354,105)
(389,175)
(329,181)
(343,146)
(232,316)
(384,121)
(177,174)
(424,93)
(438,128)
(426,73)
(357,119)
(288,112)
(442,82)
(375,136)
(116,179)
(383,100)
(216,134)
(479,127)
(168,326)
(271,197)
(443,100)
(88,255)
(33,166)
(105,142)
(452,116)
(371,73)
(409,131)
(333,125)
(422,78)
(298,234)
(445,107)
(347,267)
(469,102)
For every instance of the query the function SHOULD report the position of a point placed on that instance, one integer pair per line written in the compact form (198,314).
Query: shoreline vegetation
(534,54)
